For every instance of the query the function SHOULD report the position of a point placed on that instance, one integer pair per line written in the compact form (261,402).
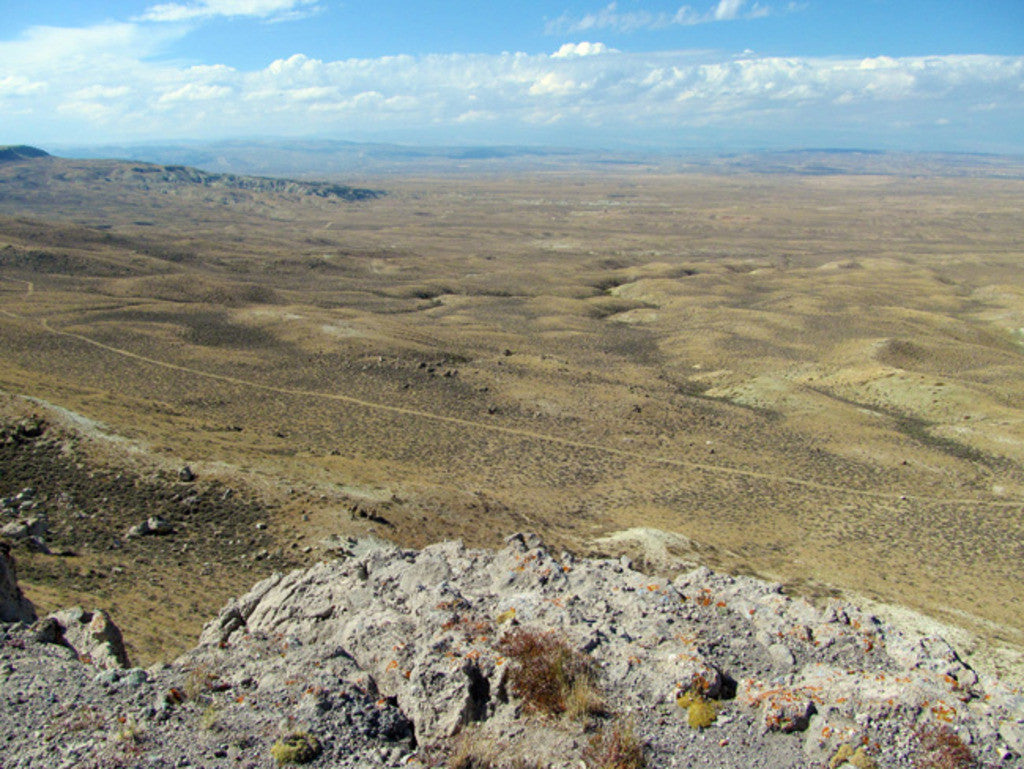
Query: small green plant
(700,711)
(616,746)
(296,748)
(939,747)
(550,676)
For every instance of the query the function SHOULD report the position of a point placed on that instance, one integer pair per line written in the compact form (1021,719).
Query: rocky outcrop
(389,657)
(14,607)
(93,636)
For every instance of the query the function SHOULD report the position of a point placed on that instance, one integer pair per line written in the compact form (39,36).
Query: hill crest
(21,152)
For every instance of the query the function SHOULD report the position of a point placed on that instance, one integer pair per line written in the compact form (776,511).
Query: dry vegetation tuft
(939,747)
(550,676)
(615,746)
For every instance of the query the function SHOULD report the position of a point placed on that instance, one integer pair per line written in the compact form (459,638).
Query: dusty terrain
(813,378)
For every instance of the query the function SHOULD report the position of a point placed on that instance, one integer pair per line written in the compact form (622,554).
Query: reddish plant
(939,747)
(549,675)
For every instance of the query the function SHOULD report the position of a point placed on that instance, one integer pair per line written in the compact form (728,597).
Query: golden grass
(816,379)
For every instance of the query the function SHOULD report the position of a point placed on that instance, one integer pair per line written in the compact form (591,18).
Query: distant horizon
(341,161)
(904,75)
(57,148)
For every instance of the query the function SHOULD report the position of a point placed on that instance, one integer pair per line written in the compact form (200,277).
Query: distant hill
(21,152)
(325,159)
(332,159)
(67,175)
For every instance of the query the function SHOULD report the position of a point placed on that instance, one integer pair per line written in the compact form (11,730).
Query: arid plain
(815,378)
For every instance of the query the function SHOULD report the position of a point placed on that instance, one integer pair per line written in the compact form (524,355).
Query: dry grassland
(819,379)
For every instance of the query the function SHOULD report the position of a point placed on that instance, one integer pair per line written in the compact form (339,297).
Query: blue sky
(899,74)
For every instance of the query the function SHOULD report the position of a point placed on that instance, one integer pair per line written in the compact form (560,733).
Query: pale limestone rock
(93,636)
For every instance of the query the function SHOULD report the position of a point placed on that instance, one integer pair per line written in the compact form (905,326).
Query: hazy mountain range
(327,158)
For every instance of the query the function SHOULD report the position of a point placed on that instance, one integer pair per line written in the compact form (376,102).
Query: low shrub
(939,747)
(700,711)
(475,750)
(296,748)
(550,676)
(615,747)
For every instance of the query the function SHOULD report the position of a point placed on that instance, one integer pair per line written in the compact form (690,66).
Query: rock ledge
(390,657)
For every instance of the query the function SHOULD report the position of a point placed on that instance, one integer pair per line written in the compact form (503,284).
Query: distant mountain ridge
(21,152)
(47,169)
(329,159)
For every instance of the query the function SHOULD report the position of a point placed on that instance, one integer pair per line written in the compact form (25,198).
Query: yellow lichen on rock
(857,758)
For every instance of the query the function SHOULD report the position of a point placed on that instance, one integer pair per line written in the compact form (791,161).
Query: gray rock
(93,636)
(14,606)
(781,655)
(1013,735)
(158,526)
(48,631)
(390,657)
(152,526)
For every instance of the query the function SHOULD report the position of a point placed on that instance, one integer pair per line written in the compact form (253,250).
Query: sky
(708,74)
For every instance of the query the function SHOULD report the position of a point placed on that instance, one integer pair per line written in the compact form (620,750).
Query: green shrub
(700,711)
(296,748)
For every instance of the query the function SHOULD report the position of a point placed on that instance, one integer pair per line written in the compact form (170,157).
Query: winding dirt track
(499,429)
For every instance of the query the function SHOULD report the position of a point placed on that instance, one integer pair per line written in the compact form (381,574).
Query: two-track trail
(491,427)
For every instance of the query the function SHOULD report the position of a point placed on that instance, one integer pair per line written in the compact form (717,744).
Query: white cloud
(581,49)
(727,9)
(261,9)
(611,18)
(476,116)
(194,92)
(102,92)
(553,83)
(16,85)
(71,49)
(107,83)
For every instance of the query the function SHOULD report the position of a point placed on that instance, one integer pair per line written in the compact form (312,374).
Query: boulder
(93,636)
(152,526)
(25,528)
(14,606)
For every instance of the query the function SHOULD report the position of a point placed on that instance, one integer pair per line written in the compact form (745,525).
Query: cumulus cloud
(581,49)
(261,9)
(611,18)
(553,83)
(106,84)
(194,92)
